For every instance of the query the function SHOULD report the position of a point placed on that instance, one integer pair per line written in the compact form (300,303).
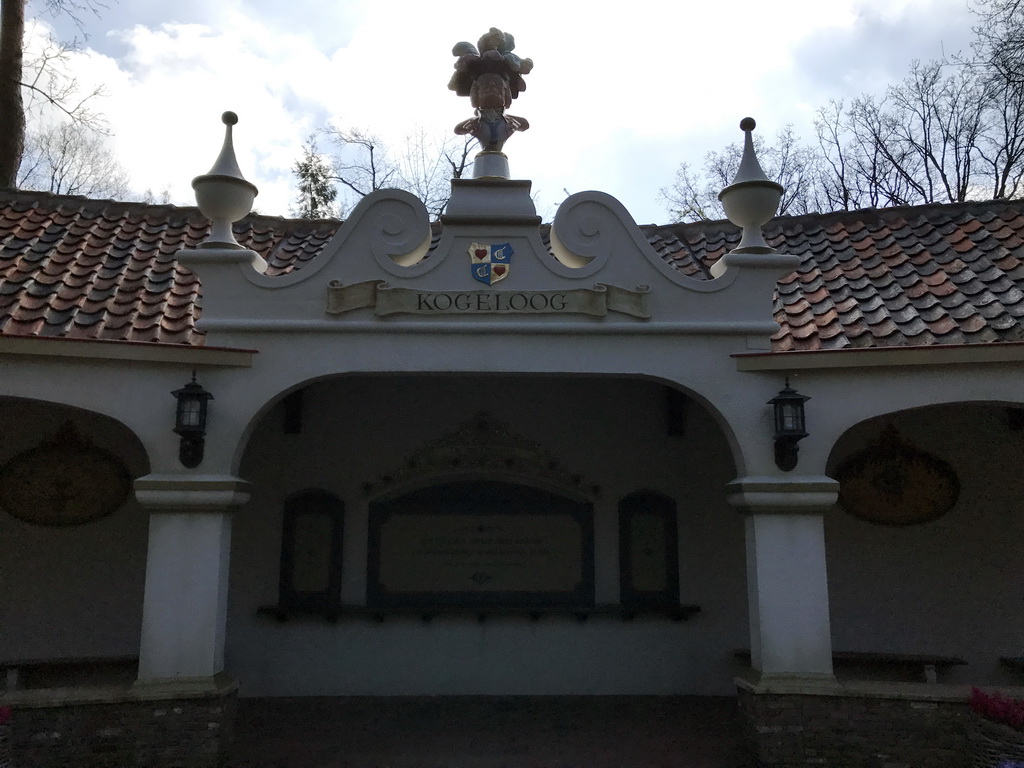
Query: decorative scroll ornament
(66,480)
(893,483)
(482,445)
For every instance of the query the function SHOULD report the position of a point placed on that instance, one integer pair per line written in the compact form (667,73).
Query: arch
(23,420)
(717,415)
(929,584)
(358,434)
(688,393)
(72,590)
(859,434)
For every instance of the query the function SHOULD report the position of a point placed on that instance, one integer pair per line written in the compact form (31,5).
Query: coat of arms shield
(490,263)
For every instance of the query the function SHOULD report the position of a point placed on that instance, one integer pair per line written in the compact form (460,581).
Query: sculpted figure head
(490,91)
(493,56)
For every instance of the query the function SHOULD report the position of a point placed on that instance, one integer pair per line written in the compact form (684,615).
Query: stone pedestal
(787,585)
(185,604)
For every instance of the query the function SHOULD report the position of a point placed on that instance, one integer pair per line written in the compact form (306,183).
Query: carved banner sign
(597,301)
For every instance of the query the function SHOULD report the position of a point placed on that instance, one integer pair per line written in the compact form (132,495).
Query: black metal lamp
(790,426)
(190,422)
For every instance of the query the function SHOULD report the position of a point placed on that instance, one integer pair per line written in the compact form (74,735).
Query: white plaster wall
(953,586)
(74,591)
(612,431)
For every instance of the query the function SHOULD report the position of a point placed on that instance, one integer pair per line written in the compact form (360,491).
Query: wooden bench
(921,665)
(64,672)
(1016,663)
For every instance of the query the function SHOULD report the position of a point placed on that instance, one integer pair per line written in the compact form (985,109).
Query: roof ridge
(121,207)
(825,218)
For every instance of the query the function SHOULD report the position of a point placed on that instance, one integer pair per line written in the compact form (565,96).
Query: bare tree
(938,119)
(947,133)
(425,166)
(1001,146)
(999,38)
(48,82)
(42,82)
(689,198)
(69,159)
(693,195)
(428,165)
(838,161)
(361,163)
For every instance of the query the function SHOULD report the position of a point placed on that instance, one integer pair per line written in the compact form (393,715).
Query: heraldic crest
(490,263)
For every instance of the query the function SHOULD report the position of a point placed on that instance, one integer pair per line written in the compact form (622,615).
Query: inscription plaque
(311,539)
(481,543)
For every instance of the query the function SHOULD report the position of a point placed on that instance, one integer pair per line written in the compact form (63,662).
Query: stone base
(854,724)
(490,165)
(120,727)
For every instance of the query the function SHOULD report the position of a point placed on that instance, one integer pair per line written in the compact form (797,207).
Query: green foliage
(316,190)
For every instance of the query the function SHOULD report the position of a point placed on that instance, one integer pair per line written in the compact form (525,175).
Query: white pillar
(184,612)
(787,584)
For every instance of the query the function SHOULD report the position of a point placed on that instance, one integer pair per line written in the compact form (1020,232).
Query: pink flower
(998,708)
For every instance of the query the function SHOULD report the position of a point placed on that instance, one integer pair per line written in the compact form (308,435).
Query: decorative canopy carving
(893,483)
(65,480)
(483,446)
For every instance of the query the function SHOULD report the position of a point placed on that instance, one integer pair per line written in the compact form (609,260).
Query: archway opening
(922,544)
(72,544)
(618,448)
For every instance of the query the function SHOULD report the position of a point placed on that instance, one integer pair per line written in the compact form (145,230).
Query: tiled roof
(95,269)
(935,274)
(939,274)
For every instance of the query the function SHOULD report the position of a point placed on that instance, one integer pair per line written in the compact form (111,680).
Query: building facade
(493,457)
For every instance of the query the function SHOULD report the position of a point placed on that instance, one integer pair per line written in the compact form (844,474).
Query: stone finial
(752,199)
(491,75)
(223,194)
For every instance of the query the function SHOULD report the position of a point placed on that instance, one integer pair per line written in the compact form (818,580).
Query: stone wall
(194,732)
(892,726)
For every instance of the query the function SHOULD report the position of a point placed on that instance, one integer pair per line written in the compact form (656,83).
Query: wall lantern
(190,422)
(790,427)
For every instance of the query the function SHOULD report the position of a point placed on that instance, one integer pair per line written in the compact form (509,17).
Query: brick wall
(171,733)
(900,729)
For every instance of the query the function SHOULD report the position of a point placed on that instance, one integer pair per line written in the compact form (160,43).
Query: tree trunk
(12,109)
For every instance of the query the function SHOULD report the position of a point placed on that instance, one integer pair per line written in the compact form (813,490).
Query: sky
(620,94)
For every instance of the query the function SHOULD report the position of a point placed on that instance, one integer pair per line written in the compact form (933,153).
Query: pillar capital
(191,493)
(782,495)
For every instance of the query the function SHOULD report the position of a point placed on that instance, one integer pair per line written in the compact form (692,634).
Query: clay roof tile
(98,269)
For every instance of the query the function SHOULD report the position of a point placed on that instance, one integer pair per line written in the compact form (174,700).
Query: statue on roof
(491,75)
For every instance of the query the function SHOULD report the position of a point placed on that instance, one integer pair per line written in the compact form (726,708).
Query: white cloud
(619,96)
